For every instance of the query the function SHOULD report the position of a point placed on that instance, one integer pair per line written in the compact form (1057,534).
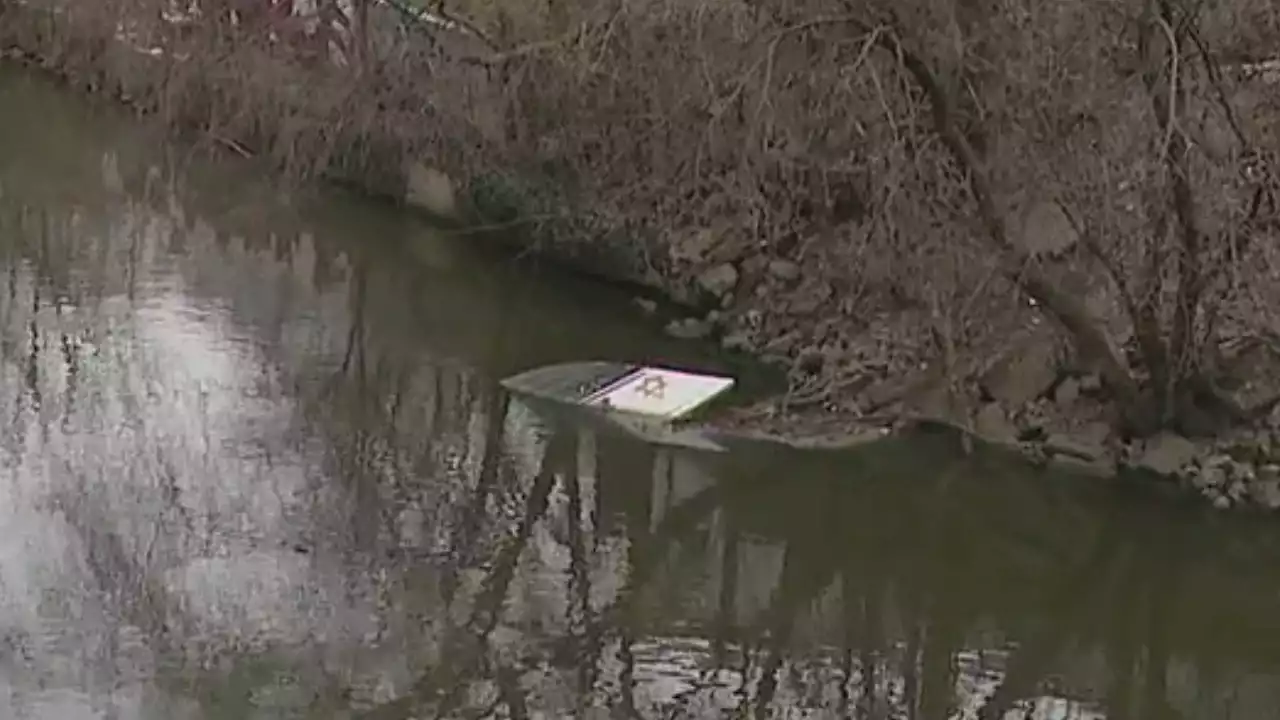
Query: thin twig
(232,145)
(1066,308)
(1171,121)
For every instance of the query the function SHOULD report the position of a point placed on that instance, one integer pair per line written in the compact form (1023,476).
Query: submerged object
(657,405)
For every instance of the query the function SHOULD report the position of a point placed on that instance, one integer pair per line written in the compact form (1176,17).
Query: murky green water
(255,464)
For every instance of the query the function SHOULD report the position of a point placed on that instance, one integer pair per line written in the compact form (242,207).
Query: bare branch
(1068,310)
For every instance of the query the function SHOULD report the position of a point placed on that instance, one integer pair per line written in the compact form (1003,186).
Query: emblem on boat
(652,386)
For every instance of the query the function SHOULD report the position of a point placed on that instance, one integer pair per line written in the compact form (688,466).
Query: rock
(1068,392)
(689,328)
(1216,136)
(647,306)
(1266,494)
(1046,230)
(1090,384)
(991,423)
(1034,421)
(1243,478)
(1265,491)
(695,248)
(1222,502)
(719,280)
(810,298)
(430,189)
(1265,446)
(1024,375)
(1098,433)
(1249,447)
(882,392)
(1082,448)
(1244,472)
(810,360)
(1209,478)
(784,269)
(1237,491)
(1217,461)
(1096,467)
(1166,454)
(736,341)
(940,404)
(783,344)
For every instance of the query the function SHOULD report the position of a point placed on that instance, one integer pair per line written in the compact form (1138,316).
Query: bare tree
(1105,124)
(893,151)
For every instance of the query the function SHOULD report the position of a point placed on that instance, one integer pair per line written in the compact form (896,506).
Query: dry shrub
(881,175)
(1126,117)
(254,92)
(909,155)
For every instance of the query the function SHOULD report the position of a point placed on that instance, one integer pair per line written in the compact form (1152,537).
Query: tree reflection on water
(906,580)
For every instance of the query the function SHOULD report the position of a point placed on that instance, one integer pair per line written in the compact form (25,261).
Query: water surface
(256,464)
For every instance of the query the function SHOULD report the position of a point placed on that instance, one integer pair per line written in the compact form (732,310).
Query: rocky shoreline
(1025,391)
(1240,471)
(862,372)
(1030,402)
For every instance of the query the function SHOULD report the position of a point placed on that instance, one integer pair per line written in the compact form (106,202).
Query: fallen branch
(1181,352)
(528,49)
(437,17)
(231,145)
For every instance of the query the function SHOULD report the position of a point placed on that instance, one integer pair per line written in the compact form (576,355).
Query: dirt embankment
(1054,230)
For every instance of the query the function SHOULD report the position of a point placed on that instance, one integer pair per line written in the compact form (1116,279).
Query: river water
(255,464)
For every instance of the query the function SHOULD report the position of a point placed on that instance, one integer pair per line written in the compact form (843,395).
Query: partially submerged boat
(659,405)
(655,404)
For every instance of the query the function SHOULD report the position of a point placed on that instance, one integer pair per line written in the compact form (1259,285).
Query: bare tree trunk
(1173,361)
(361,36)
(1088,333)
(727,607)
(467,645)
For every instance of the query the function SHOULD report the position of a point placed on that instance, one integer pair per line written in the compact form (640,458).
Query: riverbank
(815,240)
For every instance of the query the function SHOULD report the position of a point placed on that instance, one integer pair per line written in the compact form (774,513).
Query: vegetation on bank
(885,195)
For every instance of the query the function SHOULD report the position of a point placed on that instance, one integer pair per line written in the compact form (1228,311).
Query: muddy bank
(839,242)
